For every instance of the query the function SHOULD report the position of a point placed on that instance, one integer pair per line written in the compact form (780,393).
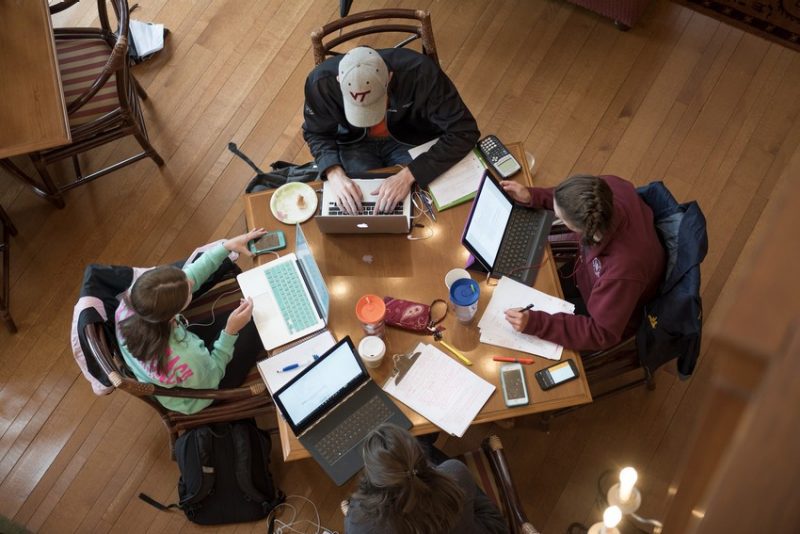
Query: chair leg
(50,191)
(10,325)
(139,89)
(5,220)
(148,148)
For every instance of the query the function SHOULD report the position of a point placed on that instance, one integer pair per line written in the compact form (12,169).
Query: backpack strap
(243,461)
(205,452)
(155,504)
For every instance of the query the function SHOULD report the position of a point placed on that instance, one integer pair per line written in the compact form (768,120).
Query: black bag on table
(225,474)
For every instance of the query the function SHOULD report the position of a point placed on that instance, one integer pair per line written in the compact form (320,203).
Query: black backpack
(225,474)
(282,172)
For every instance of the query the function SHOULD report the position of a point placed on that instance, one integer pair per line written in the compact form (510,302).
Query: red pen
(526,361)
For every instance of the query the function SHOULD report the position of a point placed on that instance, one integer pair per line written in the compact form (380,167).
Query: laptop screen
(487,221)
(314,277)
(321,385)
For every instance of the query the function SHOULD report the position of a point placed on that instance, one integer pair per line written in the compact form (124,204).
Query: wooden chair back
(380,21)
(230,404)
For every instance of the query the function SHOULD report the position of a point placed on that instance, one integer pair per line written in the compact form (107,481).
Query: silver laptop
(332,220)
(332,405)
(290,298)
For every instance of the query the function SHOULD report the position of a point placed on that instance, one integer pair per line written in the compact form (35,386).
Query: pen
(428,207)
(294,366)
(526,361)
(456,352)
(526,308)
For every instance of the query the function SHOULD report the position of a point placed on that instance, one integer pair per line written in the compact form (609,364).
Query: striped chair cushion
(478,465)
(81,61)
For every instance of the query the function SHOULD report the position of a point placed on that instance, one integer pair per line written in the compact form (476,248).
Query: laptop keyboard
(524,228)
(287,286)
(350,431)
(367,208)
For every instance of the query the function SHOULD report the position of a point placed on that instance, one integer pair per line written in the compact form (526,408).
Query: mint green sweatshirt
(189,363)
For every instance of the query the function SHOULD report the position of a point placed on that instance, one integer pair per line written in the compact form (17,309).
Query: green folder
(465,198)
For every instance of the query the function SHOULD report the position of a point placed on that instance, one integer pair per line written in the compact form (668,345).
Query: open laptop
(507,239)
(332,406)
(290,298)
(332,220)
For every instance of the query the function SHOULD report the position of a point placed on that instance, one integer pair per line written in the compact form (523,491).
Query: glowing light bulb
(627,479)
(612,516)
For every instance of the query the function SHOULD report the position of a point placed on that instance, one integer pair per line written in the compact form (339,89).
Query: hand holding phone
(268,242)
(512,379)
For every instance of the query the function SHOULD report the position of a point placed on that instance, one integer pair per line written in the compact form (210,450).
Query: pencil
(456,352)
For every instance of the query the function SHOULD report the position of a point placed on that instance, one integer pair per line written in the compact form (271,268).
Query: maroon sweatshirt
(616,277)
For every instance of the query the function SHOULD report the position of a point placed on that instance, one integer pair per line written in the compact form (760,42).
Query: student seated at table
(618,270)
(365,109)
(402,492)
(159,347)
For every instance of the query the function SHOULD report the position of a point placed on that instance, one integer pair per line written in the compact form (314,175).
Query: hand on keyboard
(346,194)
(393,190)
(239,317)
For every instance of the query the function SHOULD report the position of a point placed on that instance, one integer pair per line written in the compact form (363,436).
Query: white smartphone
(512,378)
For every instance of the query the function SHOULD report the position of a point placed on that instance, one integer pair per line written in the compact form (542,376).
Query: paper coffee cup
(371,349)
(453,275)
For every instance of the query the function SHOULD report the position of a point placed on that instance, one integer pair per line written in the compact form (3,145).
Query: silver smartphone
(512,379)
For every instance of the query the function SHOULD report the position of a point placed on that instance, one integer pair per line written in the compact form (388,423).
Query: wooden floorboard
(683,98)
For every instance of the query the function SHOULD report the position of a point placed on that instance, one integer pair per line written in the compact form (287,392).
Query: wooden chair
(231,404)
(421,30)
(492,474)
(7,229)
(102,99)
(249,400)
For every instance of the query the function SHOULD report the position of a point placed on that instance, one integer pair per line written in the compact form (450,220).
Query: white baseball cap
(363,77)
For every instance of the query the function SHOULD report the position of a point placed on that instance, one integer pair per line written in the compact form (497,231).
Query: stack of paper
(457,184)
(495,330)
(147,37)
(442,390)
(302,353)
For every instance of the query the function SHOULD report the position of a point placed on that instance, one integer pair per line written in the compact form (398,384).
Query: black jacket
(423,104)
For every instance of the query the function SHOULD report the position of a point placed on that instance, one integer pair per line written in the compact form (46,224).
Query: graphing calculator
(498,156)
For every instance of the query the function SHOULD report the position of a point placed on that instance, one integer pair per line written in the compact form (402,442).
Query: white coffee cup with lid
(453,275)
(372,349)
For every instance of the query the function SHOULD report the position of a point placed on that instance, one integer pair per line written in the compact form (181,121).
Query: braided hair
(587,203)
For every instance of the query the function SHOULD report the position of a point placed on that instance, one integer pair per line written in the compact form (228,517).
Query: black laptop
(507,239)
(332,405)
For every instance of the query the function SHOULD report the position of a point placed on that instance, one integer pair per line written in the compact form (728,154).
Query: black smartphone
(268,242)
(557,374)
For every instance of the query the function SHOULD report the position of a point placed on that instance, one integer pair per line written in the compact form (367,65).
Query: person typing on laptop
(365,109)
(159,348)
(619,269)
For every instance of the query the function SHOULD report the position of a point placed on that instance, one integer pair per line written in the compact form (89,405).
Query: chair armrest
(61,6)
(493,448)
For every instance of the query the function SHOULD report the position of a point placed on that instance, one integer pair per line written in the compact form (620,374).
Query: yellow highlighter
(456,352)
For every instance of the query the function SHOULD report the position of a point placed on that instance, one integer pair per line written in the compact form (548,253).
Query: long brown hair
(587,203)
(156,297)
(401,489)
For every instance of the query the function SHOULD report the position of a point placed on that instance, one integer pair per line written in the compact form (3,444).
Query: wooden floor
(682,98)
